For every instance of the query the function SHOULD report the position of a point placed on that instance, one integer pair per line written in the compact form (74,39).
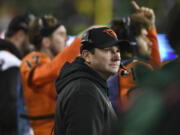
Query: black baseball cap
(101,37)
(19,22)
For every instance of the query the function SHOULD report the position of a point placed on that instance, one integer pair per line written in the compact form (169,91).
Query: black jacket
(9,76)
(6,45)
(83,106)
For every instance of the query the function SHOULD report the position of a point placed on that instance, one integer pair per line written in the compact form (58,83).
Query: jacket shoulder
(8,60)
(82,85)
(78,87)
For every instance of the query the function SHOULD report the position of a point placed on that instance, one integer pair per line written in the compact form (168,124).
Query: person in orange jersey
(40,69)
(139,29)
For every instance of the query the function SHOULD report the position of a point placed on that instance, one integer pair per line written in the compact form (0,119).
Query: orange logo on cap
(111,33)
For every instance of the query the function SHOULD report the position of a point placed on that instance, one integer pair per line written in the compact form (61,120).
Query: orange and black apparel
(38,75)
(123,84)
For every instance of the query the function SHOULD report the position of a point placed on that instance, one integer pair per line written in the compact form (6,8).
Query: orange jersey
(156,59)
(128,82)
(38,75)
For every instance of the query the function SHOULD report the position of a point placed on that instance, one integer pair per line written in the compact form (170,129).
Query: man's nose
(116,56)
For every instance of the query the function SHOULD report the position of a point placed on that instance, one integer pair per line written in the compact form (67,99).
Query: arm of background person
(44,73)
(156,59)
(152,34)
(43,70)
(49,71)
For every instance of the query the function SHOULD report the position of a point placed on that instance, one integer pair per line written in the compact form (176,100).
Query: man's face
(105,61)
(144,45)
(58,40)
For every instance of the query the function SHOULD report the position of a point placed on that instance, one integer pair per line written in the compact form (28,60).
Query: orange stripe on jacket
(156,59)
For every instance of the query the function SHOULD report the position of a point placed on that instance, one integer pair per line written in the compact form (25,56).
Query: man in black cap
(12,49)
(83,107)
(16,38)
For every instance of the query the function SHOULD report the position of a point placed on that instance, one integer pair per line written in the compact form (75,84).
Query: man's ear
(86,55)
(46,42)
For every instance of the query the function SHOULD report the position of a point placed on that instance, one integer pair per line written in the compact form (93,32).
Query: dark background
(77,15)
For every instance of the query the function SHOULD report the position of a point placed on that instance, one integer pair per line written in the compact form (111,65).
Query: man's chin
(148,57)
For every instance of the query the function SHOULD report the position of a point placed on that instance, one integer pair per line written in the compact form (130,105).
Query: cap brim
(114,43)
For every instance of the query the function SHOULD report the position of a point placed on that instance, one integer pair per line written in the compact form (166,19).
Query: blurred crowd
(109,80)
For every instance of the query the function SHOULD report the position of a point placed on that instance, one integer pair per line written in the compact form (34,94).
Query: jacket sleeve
(9,86)
(156,59)
(48,71)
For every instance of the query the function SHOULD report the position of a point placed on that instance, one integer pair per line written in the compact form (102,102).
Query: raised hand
(144,11)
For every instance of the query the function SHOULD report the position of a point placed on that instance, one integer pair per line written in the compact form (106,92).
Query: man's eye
(111,50)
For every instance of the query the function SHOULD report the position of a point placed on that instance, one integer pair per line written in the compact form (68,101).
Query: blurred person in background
(155,109)
(17,34)
(40,69)
(12,49)
(139,29)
